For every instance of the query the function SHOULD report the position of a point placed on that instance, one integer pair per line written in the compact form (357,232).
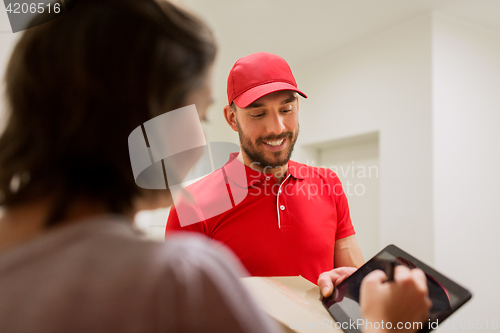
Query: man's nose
(275,124)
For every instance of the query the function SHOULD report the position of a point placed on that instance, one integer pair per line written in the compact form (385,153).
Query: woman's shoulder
(188,252)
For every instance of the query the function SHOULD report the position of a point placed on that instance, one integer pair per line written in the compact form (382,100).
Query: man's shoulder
(210,180)
(207,189)
(205,198)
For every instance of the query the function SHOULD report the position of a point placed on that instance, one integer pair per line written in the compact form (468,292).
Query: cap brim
(253,94)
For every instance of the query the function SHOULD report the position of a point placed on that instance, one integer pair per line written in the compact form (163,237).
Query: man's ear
(230,115)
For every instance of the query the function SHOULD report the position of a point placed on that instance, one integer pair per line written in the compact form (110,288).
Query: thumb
(377,277)
(325,284)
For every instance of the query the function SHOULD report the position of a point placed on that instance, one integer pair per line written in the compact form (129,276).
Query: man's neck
(279,172)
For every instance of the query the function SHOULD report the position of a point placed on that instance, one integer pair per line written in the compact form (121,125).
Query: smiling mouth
(275,143)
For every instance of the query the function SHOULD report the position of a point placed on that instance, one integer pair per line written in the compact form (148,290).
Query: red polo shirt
(285,229)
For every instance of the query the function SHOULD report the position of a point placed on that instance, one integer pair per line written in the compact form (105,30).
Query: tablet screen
(446,295)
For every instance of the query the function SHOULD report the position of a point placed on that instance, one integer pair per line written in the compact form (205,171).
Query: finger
(428,304)
(377,276)
(420,279)
(345,272)
(401,273)
(325,284)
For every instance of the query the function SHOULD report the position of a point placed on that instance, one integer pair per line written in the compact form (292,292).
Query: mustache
(283,135)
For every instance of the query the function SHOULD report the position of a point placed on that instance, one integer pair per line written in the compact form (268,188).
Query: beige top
(101,276)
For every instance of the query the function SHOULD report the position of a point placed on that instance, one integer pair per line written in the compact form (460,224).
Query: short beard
(258,157)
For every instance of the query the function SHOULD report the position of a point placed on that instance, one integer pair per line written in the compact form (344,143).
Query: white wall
(430,88)
(357,164)
(466,130)
(381,84)
(7,42)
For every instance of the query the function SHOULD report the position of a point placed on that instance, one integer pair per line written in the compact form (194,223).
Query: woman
(70,259)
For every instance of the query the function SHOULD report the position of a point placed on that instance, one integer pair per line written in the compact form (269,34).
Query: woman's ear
(230,115)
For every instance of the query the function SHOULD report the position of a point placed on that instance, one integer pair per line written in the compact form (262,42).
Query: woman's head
(78,85)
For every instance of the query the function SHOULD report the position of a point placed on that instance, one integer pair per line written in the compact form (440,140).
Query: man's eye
(256,115)
(286,111)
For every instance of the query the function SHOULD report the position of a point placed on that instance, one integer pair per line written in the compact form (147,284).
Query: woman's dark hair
(78,85)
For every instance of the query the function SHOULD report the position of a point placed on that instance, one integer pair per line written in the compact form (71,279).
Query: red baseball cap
(257,75)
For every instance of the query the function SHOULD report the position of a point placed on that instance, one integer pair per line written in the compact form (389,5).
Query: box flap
(293,301)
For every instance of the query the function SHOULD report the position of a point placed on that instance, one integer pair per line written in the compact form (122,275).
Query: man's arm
(348,258)
(348,253)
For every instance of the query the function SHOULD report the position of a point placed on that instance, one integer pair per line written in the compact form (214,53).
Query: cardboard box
(292,301)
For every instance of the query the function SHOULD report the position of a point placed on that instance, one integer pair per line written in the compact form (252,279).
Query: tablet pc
(446,295)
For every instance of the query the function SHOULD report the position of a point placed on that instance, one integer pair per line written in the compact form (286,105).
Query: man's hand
(328,280)
(403,300)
